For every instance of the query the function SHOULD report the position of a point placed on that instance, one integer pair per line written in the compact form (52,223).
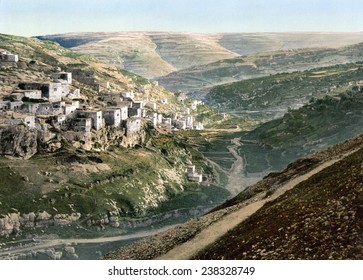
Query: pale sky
(41,17)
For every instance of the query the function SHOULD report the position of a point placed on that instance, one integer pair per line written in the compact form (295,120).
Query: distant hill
(201,78)
(156,54)
(270,97)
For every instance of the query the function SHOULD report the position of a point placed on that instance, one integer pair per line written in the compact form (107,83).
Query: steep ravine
(199,233)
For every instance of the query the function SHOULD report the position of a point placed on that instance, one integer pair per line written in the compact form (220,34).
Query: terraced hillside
(148,54)
(200,79)
(270,97)
(155,54)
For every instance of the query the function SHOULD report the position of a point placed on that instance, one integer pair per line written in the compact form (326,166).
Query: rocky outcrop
(13,222)
(18,141)
(133,140)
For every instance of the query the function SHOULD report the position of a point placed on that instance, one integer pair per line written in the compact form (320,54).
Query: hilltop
(201,78)
(156,54)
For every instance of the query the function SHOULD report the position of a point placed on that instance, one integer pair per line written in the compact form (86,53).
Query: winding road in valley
(216,230)
(51,243)
(237,181)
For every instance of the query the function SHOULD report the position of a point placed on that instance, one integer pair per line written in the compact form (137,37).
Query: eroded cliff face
(23,143)
(14,222)
(18,141)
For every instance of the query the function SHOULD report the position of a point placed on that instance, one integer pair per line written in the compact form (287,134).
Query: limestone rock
(18,141)
(43,219)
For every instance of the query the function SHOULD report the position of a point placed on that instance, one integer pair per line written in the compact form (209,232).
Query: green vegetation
(314,127)
(131,183)
(270,97)
(242,68)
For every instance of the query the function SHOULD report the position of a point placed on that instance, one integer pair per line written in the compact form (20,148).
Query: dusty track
(216,230)
(50,243)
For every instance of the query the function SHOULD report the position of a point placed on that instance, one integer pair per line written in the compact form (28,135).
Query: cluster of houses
(57,103)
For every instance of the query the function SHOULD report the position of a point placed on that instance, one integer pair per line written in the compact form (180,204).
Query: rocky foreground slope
(319,218)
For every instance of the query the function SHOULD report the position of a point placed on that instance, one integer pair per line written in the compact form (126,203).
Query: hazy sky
(40,17)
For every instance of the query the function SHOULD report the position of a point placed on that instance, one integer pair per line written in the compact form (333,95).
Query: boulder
(18,141)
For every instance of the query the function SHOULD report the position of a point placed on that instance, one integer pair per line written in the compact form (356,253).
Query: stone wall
(133,125)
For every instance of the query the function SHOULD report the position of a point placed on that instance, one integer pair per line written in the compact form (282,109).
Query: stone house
(138,104)
(18,119)
(124,112)
(196,103)
(160,118)
(74,94)
(4,105)
(180,96)
(70,110)
(153,117)
(151,106)
(175,116)
(112,98)
(96,116)
(51,91)
(193,175)
(31,108)
(82,124)
(31,94)
(189,122)
(190,170)
(49,109)
(198,178)
(128,94)
(59,120)
(6,56)
(85,77)
(180,124)
(112,117)
(15,105)
(166,121)
(134,112)
(133,125)
(63,77)
(59,104)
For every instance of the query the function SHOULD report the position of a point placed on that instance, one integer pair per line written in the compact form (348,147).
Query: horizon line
(189,32)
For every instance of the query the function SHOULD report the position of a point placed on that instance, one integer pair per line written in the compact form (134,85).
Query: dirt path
(51,243)
(237,181)
(235,174)
(216,230)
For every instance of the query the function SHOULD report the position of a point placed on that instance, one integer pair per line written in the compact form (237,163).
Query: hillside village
(56,106)
(57,103)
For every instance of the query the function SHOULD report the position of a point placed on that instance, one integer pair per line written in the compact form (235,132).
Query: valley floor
(188,240)
(216,230)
